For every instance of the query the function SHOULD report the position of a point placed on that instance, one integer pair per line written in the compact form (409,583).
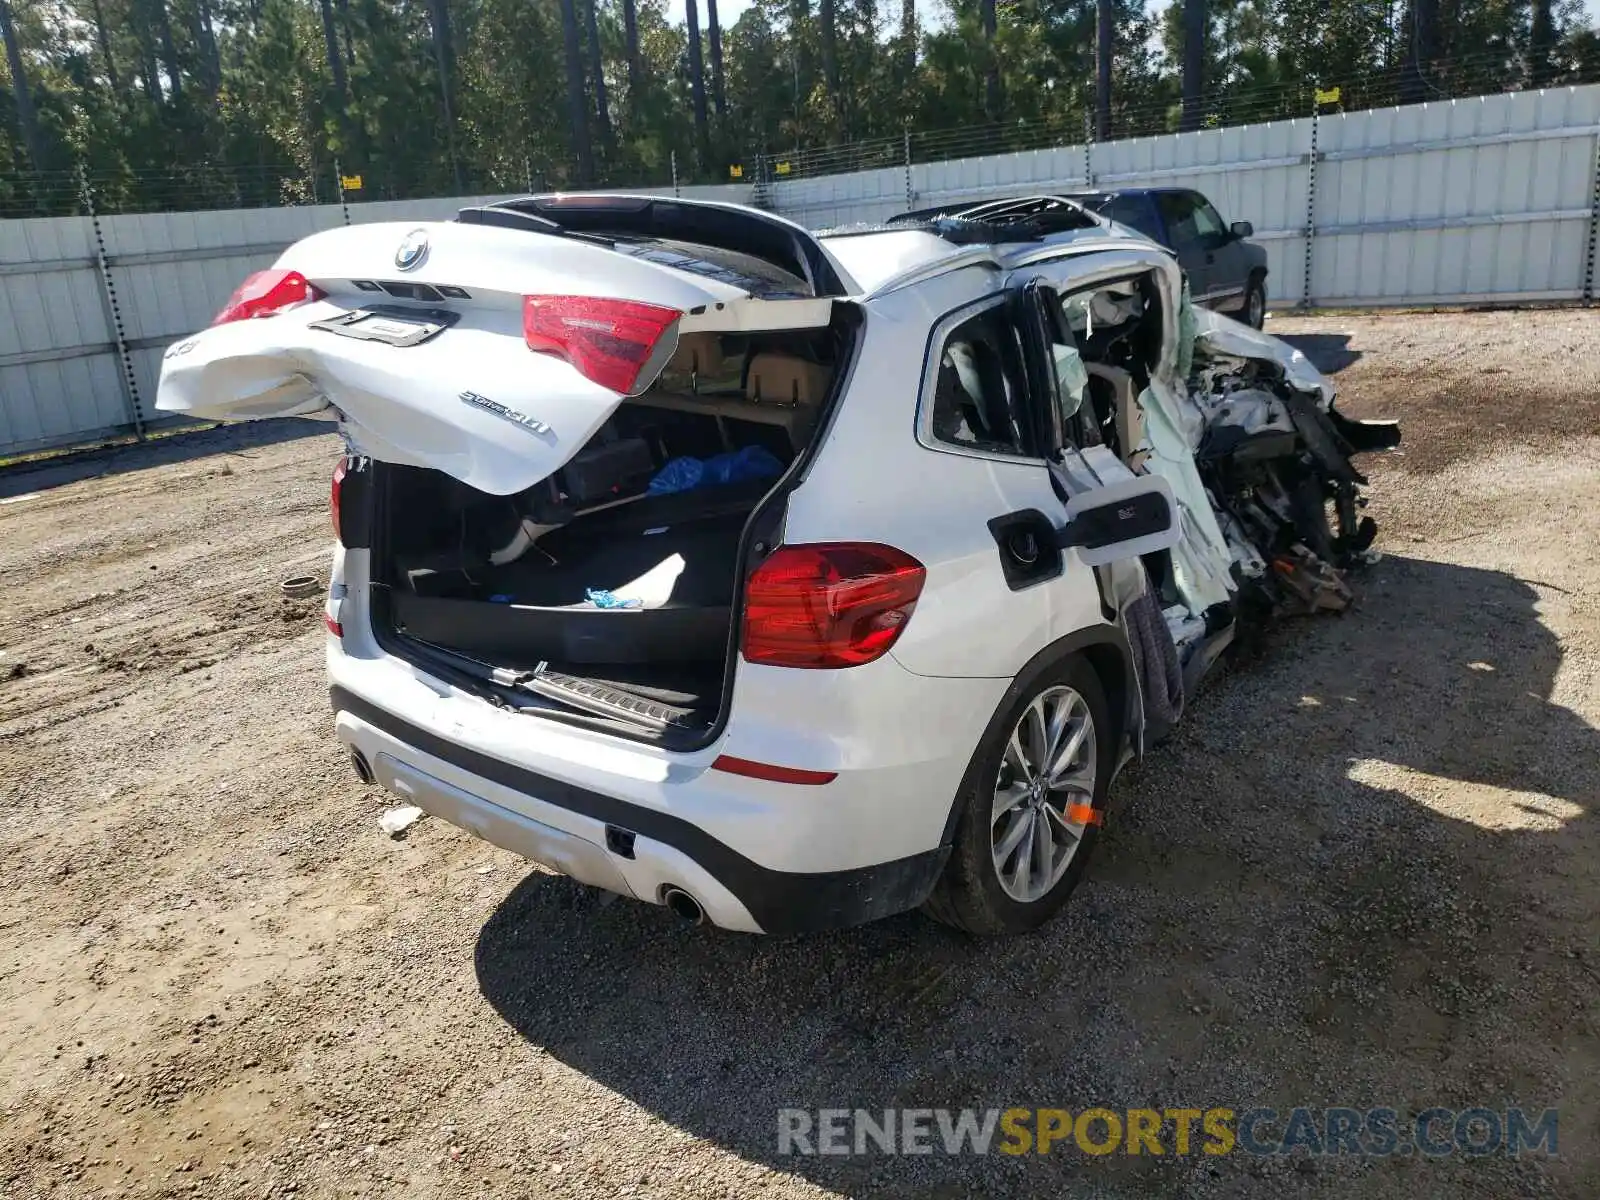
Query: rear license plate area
(390,325)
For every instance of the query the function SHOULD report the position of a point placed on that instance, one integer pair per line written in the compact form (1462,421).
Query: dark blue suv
(1225,271)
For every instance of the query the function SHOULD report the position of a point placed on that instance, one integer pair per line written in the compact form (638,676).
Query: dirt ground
(1365,872)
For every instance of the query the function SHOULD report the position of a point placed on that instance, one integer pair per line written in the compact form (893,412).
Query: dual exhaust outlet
(679,902)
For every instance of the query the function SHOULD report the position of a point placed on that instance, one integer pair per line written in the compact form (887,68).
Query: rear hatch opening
(609,594)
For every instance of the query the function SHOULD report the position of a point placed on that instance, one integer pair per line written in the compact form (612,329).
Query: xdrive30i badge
(500,410)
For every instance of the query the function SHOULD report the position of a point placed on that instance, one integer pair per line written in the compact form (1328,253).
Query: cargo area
(608,591)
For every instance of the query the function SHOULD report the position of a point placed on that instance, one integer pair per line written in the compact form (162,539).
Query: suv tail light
(619,344)
(832,604)
(339,470)
(266,294)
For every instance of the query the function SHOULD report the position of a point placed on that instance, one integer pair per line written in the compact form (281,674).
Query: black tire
(969,894)
(1254,312)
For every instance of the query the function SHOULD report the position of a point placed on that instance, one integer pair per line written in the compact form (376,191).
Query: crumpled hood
(1227,336)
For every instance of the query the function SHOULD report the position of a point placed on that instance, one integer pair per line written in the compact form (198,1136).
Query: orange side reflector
(1083,814)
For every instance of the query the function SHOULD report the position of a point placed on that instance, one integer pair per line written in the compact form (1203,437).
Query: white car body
(878,750)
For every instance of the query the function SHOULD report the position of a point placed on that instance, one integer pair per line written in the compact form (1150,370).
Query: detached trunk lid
(414,342)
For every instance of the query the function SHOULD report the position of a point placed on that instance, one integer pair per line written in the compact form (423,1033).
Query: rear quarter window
(1134,212)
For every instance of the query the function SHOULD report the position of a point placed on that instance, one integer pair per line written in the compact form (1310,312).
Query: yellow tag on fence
(1331,96)
(350,183)
(736,172)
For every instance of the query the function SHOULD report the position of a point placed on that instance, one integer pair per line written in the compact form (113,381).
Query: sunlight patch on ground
(1488,806)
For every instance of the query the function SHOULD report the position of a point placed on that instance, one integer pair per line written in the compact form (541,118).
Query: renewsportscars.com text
(1370,1132)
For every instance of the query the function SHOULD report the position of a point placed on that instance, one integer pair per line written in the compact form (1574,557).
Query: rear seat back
(784,379)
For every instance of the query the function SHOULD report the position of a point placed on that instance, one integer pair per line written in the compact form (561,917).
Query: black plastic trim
(355,504)
(780,901)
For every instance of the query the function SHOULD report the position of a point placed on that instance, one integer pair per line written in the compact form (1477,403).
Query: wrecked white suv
(788,581)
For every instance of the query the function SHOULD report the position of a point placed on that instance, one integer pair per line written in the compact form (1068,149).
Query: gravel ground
(1364,872)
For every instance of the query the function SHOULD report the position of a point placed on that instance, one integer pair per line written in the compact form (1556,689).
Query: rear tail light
(266,294)
(833,604)
(339,470)
(619,344)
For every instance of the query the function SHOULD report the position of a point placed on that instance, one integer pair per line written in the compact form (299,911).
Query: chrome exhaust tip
(683,905)
(363,769)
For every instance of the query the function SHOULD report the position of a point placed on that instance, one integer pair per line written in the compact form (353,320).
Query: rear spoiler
(762,236)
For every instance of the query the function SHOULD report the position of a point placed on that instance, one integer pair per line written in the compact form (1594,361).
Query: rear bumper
(493,799)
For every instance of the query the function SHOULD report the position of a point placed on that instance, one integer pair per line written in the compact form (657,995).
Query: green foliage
(199,103)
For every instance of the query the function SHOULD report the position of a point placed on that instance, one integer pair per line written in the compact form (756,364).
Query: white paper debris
(397,820)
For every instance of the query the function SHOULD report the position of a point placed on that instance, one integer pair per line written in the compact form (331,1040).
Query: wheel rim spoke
(1007,799)
(1012,838)
(1068,748)
(1015,757)
(1059,820)
(1040,732)
(1044,848)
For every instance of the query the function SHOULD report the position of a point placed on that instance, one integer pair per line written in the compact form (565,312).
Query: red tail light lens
(339,470)
(834,604)
(619,344)
(266,294)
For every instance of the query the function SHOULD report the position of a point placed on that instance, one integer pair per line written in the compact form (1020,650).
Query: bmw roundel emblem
(413,250)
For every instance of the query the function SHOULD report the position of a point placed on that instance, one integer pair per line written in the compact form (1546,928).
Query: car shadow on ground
(1314,893)
(1330,353)
(39,475)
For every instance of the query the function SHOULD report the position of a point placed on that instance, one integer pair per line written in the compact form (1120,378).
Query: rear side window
(979,396)
(1135,213)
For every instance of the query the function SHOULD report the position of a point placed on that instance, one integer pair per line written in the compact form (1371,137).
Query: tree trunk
(330,38)
(908,38)
(26,117)
(205,46)
(1194,62)
(103,39)
(444,60)
(829,36)
(344,30)
(1541,40)
(169,50)
(1422,40)
(597,72)
(149,72)
(697,84)
(991,73)
(714,32)
(630,40)
(577,110)
(799,51)
(1104,27)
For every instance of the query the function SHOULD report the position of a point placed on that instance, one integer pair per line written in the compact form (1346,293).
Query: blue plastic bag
(679,475)
(605,598)
(735,466)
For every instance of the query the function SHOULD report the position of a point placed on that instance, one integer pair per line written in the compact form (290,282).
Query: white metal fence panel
(1485,199)
(59,372)
(1488,199)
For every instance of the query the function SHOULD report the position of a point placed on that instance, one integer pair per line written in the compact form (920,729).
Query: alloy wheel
(1044,793)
